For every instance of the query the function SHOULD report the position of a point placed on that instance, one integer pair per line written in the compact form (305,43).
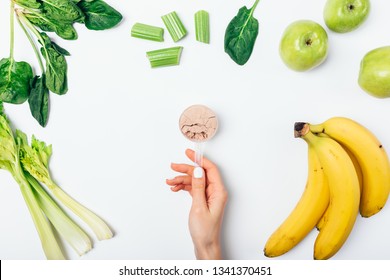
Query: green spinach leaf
(241,34)
(15,80)
(63,29)
(99,15)
(62,10)
(39,100)
(56,66)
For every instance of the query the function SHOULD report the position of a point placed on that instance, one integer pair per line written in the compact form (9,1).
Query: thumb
(198,187)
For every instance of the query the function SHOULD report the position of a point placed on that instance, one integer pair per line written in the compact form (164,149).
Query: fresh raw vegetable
(241,34)
(99,15)
(29,165)
(18,82)
(147,32)
(202,26)
(174,26)
(164,57)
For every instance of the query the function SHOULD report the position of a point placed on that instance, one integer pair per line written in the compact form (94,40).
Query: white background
(116,132)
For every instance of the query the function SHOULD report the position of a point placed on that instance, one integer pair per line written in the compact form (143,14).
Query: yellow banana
(371,156)
(343,189)
(358,170)
(305,215)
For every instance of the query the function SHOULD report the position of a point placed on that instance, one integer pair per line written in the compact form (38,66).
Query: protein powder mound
(198,123)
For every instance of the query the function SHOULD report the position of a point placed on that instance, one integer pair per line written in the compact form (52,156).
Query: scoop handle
(199,146)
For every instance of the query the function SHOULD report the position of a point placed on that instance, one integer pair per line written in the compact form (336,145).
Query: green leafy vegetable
(15,80)
(9,160)
(147,32)
(29,166)
(56,66)
(175,26)
(29,3)
(241,34)
(35,160)
(39,100)
(164,57)
(202,26)
(62,10)
(63,29)
(99,15)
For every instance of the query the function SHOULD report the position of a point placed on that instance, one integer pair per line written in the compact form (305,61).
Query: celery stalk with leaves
(29,166)
(35,160)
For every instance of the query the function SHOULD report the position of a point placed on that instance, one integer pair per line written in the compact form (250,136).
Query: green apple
(374,75)
(345,15)
(304,45)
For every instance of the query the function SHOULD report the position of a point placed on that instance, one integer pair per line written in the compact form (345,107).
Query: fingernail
(198,172)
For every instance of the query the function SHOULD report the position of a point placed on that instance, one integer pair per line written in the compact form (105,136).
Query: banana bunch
(349,172)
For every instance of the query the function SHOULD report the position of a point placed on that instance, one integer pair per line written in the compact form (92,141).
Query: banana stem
(301,129)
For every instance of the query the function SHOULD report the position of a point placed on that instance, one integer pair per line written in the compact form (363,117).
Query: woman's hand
(209,198)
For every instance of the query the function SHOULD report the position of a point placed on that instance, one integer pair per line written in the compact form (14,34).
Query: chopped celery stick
(147,32)
(175,26)
(202,26)
(164,57)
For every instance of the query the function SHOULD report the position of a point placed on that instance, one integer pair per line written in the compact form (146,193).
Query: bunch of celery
(29,166)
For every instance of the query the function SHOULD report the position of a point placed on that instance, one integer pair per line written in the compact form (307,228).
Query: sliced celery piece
(164,57)
(147,32)
(175,26)
(202,26)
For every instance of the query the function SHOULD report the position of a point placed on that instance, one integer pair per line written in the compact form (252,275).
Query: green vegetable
(29,3)
(62,10)
(39,100)
(29,165)
(202,26)
(164,57)
(148,32)
(67,228)
(9,160)
(35,160)
(14,80)
(56,66)
(63,29)
(99,15)
(241,34)
(174,26)
(18,82)
(14,76)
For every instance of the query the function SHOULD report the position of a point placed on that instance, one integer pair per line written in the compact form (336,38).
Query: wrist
(210,251)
